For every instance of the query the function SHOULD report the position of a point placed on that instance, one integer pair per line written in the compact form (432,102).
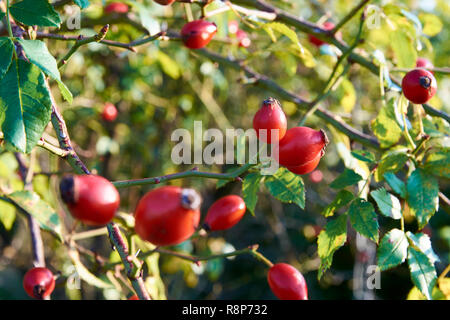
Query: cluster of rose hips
(299,149)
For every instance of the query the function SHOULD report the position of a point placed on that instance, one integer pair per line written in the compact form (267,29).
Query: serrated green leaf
(393,249)
(342,198)
(438,162)
(38,54)
(415,294)
(396,184)
(364,155)
(403,47)
(391,161)
(331,239)
(423,273)
(35,12)
(422,195)
(385,127)
(422,242)
(6,53)
(364,219)
(7,215)
(31,203)
(250,188)
(25,105)
(345,179)
(85,274)
(83,4)
(388,204)
(287,187)
(432,25)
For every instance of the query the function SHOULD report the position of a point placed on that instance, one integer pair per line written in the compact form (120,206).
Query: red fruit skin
(316,176)
(424,63)
(93,199)
(233,27)
(270,116)
(161,219)
(326,26)
(133,297)
(244,40)
(198,33)
(300,145)
(116,7)
(109,112)
(39,282)
(306,167)
(164,2)
(419,86)
(225,213)
(287,283)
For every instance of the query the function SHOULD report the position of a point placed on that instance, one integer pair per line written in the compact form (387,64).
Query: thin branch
(350,15)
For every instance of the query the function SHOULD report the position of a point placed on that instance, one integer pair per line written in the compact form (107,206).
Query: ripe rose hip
(287,283)
(301,146)
(424,63)
(233,27)
(306,167)
(316,176)
(109,112)
(164,2)
(116,7)
(198,33)
(326,26)
(419,86)
(167,215)
(270,117)
(244,40)
(133,297)
(91,199)
(225,213)
(39,283)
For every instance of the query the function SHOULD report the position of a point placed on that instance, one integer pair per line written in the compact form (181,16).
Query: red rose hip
(109,112)
(167,215)
(244,40)
(326,26)
(424,63)
(198,33)
(91,199)
(419,86)
(306,167)
(39,283)
(116,7)
(164,2)
(287,283)
(270,117)
(300,146)
(225,213)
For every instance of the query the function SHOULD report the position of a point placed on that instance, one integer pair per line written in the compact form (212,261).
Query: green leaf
(396,184)
(302,52)
(85,274)
(287,187)
(364,155)
(422,242)
(391,161)
(345,179)
(437,163)
(423,273)
(403,47)
(423,190)
(331,239)
(35,12)
(393,249)
(6,53)
(25,105)
(7,215)
(387,203)
(250,188)
(2,15)
(83,4)
(32,204)
(432,25)
(38,54)
(342,198)
(364,219)
(385,127)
